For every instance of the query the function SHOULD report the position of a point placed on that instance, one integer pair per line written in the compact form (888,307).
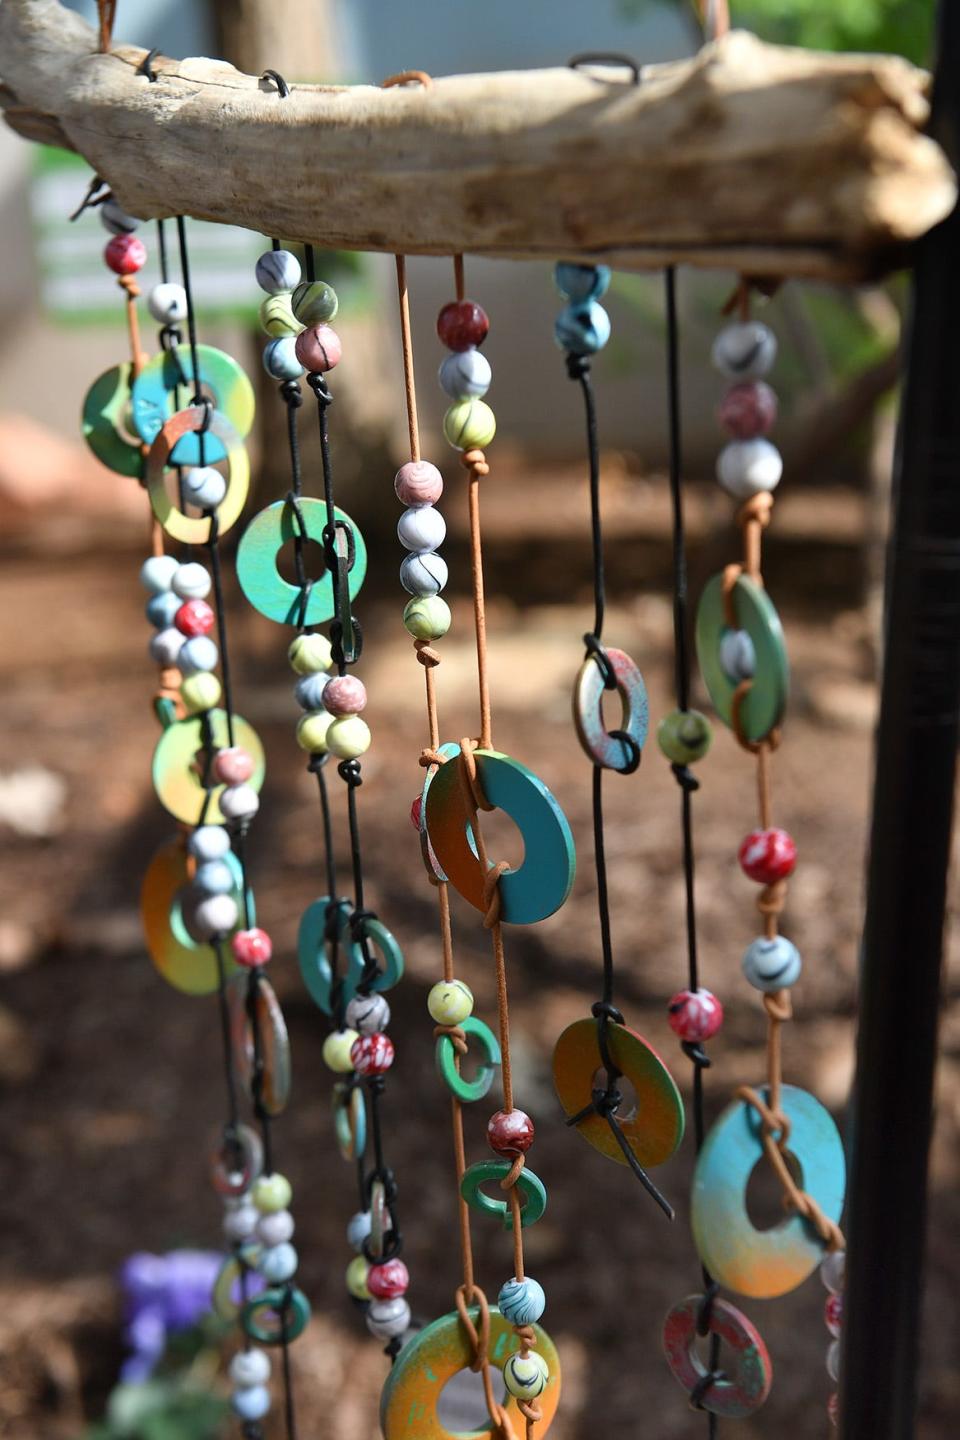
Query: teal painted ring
(762,707)
(764,1263)
(433,866)
(349,1120)
(262,1317)
(531,1188)
(446,1058)
(544,879)
(391,971)
(313,953)
(262,583)
(155,397)
(108,424)
(601,747)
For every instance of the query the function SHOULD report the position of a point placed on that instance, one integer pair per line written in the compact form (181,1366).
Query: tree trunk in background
(301,40)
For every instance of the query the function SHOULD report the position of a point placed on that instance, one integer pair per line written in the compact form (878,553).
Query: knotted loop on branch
(430,757)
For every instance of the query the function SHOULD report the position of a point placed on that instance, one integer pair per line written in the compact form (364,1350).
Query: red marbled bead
(833,1409)
(125,254)
(344,695)
(318,348)
(372,1054)
(768,856)
(695,1015)
(233,765)
(252,947)
(415,810)
(510,1133)
(194,617)
(748,410)
(833,1314)
(461,324)
(389,1280)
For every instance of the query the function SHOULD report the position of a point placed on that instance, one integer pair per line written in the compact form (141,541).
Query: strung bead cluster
(583,325)
(748,464)
(832,1273)
(421,529)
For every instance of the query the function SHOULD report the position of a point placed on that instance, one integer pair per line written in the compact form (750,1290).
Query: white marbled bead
(747,467)
(833,1359)
(387,1318)
(191,581)
(833,1269)
(424,574)
(772,965)
(251,1402)
(209,842)
(214,877)
(275,1228)
(465,374)
(205,487)
(240,1222)
(745,350)
(165,646)
(157,572)
(115,219)
(167,303)
(215,915)
(368,1014)
(199,654)
(421,529)
(239,802)
(278,271)
(738,658)
(278,1263)
(250,1367)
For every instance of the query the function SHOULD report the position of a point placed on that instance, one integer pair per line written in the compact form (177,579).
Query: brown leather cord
(775,1134)
(408,77)
(107,11)
(458,276)
(476,466)
(406,341)
(714,17)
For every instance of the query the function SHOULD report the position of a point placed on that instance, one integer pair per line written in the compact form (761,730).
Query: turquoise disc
(108,423)
(260,579)
(158,392)
(314,953)
(763,705)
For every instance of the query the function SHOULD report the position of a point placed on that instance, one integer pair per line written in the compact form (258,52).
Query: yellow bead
(309,654)
(348,737)
(200,692)
(277,317)
(427,617)
(469,424)
(336,1050)
(312,731)
(357,1272)
(271,1193)
(450,1002)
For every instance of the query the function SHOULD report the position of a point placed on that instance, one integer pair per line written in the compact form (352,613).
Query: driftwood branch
(756,157)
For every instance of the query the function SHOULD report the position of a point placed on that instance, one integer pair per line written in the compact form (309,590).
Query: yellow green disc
(178,765)
(183,963)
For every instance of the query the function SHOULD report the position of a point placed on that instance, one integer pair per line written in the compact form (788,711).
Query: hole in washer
(462,1404)
(764,1195)
(629,1105)
(502,838)
(313,562)
(613,710)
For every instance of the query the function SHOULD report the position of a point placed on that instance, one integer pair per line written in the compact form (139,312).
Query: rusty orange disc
(183,963)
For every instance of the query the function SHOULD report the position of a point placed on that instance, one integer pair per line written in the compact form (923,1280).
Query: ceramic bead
(416,811)
(278,1263)
(582,329)
(465,374)
(209,842)
(421,529)
(239,802)
(469,425)
(356,1277)
(684,736)
(738,658)
(271,1192)
(833,1268)
(462,324)
(167,303)
(214,877)
(336,1050)
(309,691)
(319,349)
(310,653)
(200,692)
(427,617)
(115,219)
(772,965)
(165,646)
(372,1054)
(252,947)
(695,1015)
(833,1359)
(250,1367)
(277,271)
(216,915)
(348,737)
(358,1229)
(510,1133)
(387,1318)
(251,1402)
(233,765)
(367,1014)
(450,1002)
(277,318)
(275,1228)
(424,574)
(744,351)
(161,609)
(833,1409)
(125,254)
(577,283)
(240,1222)
(418,482)
(156,573)
(525,1376)
(747,467)
(345,695)
(312,731)
(197,655)
(388,1280)
(522,1302)
(194,617)
(833,1314)
(191,581)
(280,358)
(748,410)
(768,856)
(204,487)
(315,302)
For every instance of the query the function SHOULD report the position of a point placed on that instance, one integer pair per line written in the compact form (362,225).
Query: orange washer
(186,965)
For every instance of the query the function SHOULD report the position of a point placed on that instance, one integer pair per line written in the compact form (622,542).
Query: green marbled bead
(470,424)
(427,617)
(684,736)
(315,302)
(277,317)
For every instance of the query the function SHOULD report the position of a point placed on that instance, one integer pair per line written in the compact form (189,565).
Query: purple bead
(748,410)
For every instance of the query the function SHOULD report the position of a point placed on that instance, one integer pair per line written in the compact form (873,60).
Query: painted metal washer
(600,746)
(183,962)
(159,391)
(178,765)
(234,1167)
(764,1263)
(276,1070)
(433,867)
(195,530)
(762,707)
(349,1119)
(108,423)
(409,1405)
(315,951)
(734,1397)
(230,1289)
(446,1057)
(531,1187)
(656,1129)
(263,1317)
(543,881)
(261,581)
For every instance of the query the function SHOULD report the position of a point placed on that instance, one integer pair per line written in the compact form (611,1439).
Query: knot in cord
(350,771)
(291,393)
(321,390)
(578,366)
(513,1175)
(685,778)
(695,1053)
(455,1033)
(425,653)
(476,462)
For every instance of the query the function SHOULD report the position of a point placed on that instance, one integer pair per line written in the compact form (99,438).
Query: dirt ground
(112,1083)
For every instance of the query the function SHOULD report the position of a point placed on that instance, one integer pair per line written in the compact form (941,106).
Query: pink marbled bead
(833,1314)
(748,410)
(695,1015)
(233,765)
(418,483)
(318,348)
(344,695)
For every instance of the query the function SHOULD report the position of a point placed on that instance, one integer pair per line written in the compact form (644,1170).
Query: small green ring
(532,1188)
(273,1301)
(468,1090)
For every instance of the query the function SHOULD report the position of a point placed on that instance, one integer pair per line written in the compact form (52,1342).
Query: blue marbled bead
(581,282)
(280,359)
(157,572)
(162,608)
(424,574)
(772,964)
(252,1402)
(309,691)
(278,271)
(214,877)
(582,329)
(197,654)
(358,1229)
(522,1302)
(278,1263)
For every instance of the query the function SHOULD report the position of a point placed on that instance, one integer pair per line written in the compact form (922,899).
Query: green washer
(532,1189)
(159,392)
(763,705)
(262,1317)
(108,422)
(263,584)
(475,1089)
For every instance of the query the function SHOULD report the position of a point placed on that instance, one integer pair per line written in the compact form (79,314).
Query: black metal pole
(910,839)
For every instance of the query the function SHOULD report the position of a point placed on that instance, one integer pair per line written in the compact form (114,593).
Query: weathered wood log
(749,156)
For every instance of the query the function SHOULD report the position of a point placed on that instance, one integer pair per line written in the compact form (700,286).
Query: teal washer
(159,392)
(263,584)
(530,1186)
(349,1119)
(314,960)
(763,705)
(107,422)
(764,1263)
(450,751)
(469,1090)
(263,1317)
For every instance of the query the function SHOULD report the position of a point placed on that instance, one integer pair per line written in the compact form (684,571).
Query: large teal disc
(159,392)
(108,423)
(261,581)
(762,707)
